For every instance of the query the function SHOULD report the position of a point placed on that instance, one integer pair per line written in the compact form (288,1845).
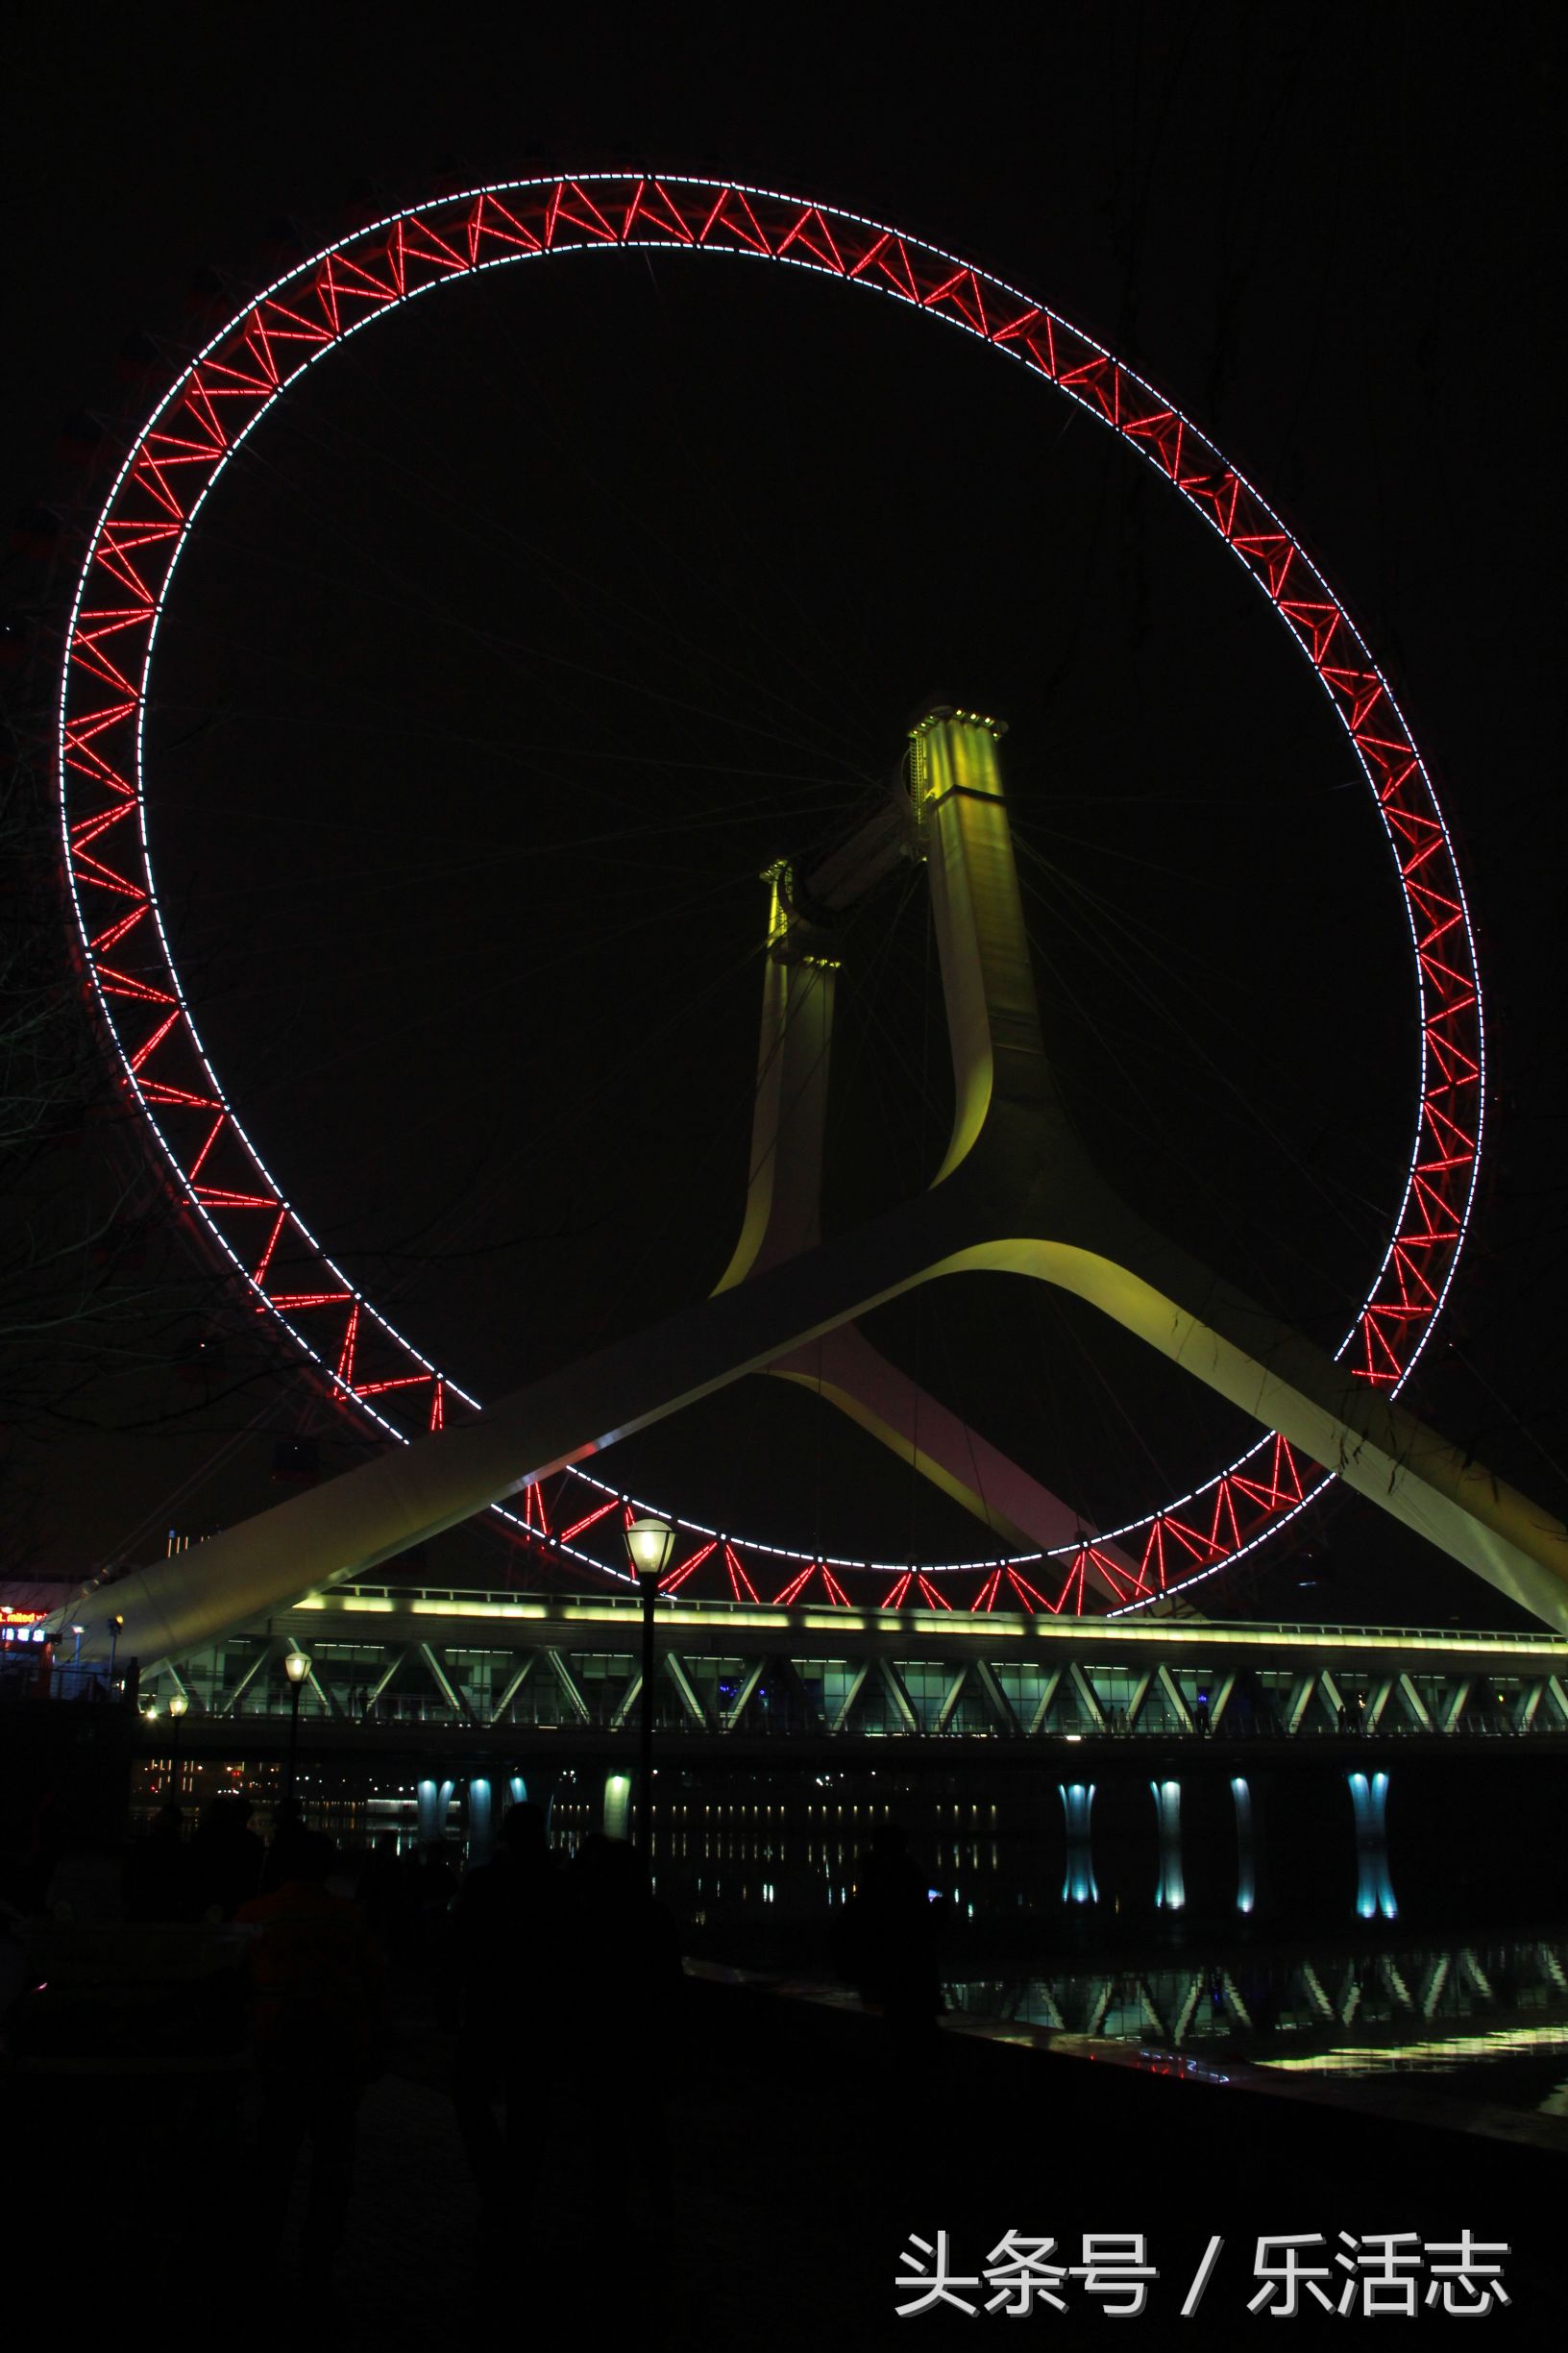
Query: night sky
(533,627)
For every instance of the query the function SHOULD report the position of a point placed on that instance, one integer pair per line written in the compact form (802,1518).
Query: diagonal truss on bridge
(491,1670)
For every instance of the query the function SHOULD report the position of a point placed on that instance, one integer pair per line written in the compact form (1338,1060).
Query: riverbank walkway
(768,2183)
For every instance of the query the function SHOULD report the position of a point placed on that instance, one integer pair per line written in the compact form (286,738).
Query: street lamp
(650,1544)
(296,1666)
(117,1626)
(178,1706)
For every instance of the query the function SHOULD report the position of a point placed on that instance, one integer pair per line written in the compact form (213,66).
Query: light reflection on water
(1485,2021)
(1250,1957)
(1051,1847)
(797,1854)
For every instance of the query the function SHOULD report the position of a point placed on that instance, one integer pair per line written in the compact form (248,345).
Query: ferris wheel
(163,495)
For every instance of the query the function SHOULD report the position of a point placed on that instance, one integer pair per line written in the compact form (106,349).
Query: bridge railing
(1239,1732)
(471,1599)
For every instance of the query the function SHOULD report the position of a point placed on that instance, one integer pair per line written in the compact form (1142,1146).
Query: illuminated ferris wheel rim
(146,523)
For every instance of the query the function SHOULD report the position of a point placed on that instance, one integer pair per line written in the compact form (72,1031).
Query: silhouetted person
(889,1950)
(162,1878)
(16,1979)
(625,1974)
(227,1855)
(508,1955)
(627,1943)
(621,2012)
(86,1883)
(318,2020)
(283,1849)
(438,1878)
(383,1893)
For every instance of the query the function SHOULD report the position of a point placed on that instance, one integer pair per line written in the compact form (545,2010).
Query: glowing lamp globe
(650,1544)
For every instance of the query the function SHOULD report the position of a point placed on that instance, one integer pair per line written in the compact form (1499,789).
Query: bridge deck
(731,1676)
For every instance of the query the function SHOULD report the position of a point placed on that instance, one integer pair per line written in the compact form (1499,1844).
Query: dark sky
(529,629)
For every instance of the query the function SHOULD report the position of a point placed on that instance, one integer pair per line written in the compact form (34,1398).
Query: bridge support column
(1078,1878)
(1171,1892)
(1246,1849)
(1374,1888)
(616,1804)
(537,1787)
(435,1799)
(481,1821)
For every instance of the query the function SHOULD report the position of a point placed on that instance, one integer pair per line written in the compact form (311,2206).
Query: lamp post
(296,1666)
(178,1706)
(650,1544)
(117,1626)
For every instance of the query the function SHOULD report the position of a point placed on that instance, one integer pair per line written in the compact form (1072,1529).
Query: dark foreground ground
(767,2203)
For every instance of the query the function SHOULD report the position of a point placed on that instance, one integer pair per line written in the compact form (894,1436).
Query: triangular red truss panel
(568,203)
(813,233)
(732,211)
(652,212)
(887,258)
(491,218)
(963,291)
